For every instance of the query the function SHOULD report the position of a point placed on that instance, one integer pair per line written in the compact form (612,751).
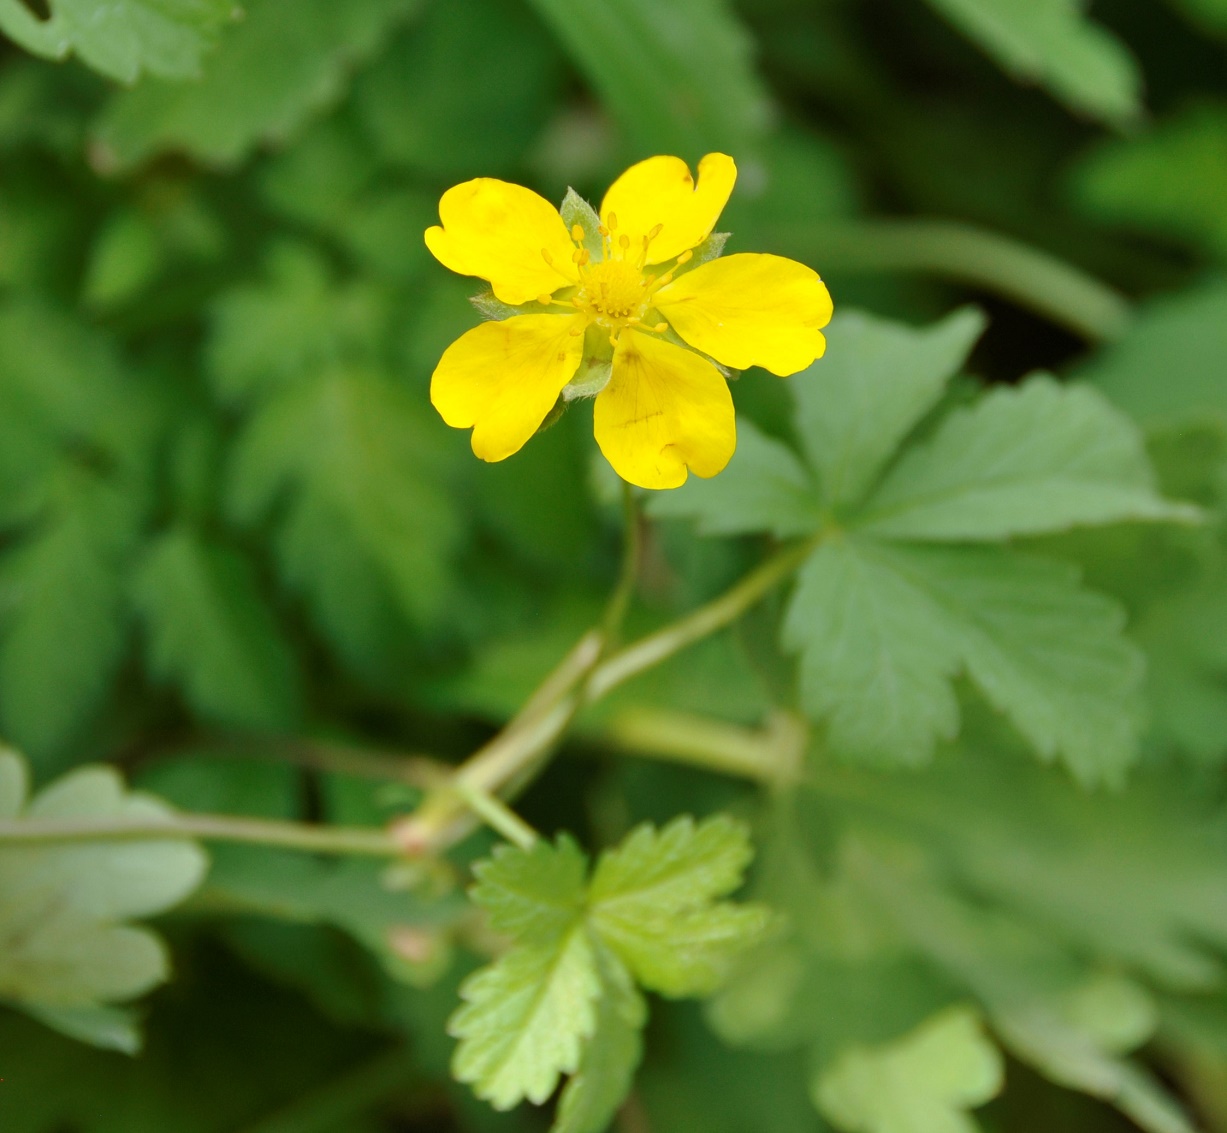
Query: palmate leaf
(283,63)
(903,591)
(66,949)
(563,1000)
(1053,42)
(211,631)
(167,38)
(922,1083)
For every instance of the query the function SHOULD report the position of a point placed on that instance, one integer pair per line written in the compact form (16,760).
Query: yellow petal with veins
(502,378)
(664,410)
(498,231)
(750,310)
(661,191)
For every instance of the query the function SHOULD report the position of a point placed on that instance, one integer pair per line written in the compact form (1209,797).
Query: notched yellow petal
(661,191)
(501,379)
(664,411)
(751,310)
(505,234)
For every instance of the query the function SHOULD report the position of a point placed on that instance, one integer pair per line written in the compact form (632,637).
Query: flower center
(613,290)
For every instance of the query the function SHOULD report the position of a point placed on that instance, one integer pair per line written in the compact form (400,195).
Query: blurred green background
(235,534)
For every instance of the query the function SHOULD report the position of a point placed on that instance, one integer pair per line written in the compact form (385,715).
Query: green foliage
(1052,42)
(68,953)
(884,616)
(563,999)
(125,40)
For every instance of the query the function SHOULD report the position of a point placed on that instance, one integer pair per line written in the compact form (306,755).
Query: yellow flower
(610,307)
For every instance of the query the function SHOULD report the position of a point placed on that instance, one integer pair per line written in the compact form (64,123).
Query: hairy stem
(208,827)
(964,253)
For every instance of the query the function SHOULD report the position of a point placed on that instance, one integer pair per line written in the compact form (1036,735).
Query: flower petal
(750,310)
(498,231)
(502,379)
(664,410)
(661,191)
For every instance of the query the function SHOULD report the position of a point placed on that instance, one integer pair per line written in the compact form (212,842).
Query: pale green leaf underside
(1054,43)
(858,402)
(882,630)
(922,1083)
(1036,458)
(65,948)
(167,38)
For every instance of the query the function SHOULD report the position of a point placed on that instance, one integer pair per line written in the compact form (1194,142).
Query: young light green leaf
(527,1017)
(764,488)
(924,1082)
(877,379)
(1130,182)
(65,946)
(167,38)
(655,901)
(1036,458)
(1053,42)
(258,85)
(676,73)
(592,1096)
(533,893)
(883,629)
(210,630)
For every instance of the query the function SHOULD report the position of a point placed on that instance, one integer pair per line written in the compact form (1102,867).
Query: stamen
(577,257)
(545,299)
(577,233)
(545,255)
(611,221)
(685,257)
(624,241)
(602,230)
(656,230)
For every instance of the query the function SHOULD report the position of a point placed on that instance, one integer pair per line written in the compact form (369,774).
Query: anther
(624,241)
(577,257)
(611,221)
(545,255)
(656,230)
(602,230)
(685,257)
(545,299)
(660,328)
(577,233)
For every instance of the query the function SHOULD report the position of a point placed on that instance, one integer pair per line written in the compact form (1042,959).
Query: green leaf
(532,894)
(1167,369)
(356,451)
(1052,42)
(210,630)
(676,73)
(764,488)
(286,61)
(603,1080)
(654,900)
(1130,183)
(882,630)
(1035,458)
(877,380)
(1209,14)
(922,1083)
(168,38)
(526,1018)
(422,108)
(64,627)
(66,949)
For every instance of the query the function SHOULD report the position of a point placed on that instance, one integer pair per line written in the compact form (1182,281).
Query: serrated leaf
(1036,458)
(596,1090)
(861,399)
(764,488)
(286,61)
(526,1018)
(1130,182)
(922,1083)
(65,945)
(168,38)
(354,446)
(652,900)
(676,73)
(211,631)
(883,629)
(533,893)
(1053,42)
